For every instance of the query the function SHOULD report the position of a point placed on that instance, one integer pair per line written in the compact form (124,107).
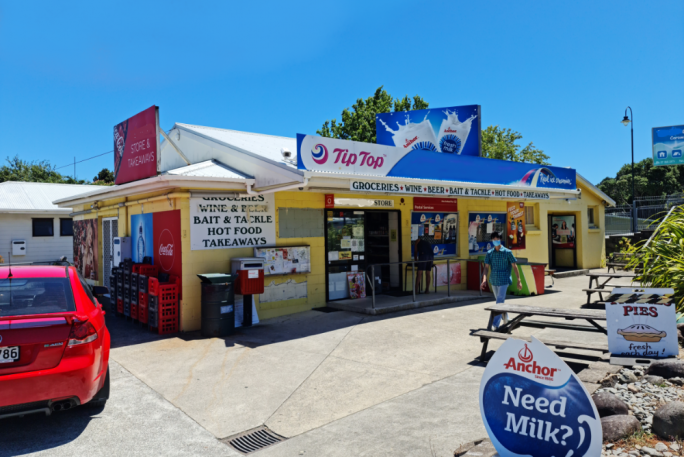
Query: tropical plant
(662,258)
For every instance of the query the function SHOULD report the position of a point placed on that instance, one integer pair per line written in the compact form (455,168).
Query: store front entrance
(356,239)
(562,242)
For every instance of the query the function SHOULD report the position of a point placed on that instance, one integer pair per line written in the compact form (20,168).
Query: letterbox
(250,275)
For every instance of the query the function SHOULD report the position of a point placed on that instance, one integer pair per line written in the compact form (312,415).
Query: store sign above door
(136,146)
(431,189)
(435,204)
(336,202)
(331,155)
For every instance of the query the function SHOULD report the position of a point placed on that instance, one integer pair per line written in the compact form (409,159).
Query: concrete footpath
(333,384)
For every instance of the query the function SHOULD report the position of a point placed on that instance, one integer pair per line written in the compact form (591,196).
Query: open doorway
(357,239)
(562,242)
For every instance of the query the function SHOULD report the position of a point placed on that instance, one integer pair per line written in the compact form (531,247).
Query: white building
(27,214)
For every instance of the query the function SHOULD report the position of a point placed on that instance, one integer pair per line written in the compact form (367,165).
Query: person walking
(498,263)
(423,251)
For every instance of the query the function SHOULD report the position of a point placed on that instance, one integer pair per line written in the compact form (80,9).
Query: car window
(25,296)
(88,292)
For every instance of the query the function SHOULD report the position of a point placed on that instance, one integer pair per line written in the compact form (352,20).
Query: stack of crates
(163,305)
(128,266)
(113,290)
(145,272)
(135,282)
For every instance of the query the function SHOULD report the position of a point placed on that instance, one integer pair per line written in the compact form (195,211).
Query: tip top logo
(525,355)
(319,154)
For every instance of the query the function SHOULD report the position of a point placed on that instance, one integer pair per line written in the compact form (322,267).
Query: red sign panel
(136,146)
(166,230)
(439,205)
(329,200)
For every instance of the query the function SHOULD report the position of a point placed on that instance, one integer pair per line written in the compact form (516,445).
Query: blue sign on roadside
(533,404)
(668,143)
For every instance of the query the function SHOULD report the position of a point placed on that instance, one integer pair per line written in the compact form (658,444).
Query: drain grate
(253,440)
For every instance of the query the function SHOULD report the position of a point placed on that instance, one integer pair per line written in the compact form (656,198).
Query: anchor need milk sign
(533,404)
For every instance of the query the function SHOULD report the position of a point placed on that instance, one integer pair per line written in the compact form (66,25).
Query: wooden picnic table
(602,287)
(504,331)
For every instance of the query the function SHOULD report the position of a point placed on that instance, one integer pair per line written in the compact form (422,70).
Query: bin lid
(216,278)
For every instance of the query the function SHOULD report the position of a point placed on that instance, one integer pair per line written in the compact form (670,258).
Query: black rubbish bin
(218,304)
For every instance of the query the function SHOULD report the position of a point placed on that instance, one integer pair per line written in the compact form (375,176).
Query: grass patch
(640,438)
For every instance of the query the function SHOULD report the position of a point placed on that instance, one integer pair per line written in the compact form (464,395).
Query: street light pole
(630,120)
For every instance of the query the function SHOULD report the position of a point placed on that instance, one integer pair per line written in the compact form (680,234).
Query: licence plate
(9,354)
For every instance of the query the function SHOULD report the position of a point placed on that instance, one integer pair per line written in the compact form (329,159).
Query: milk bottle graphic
(453,133)
(141,245)
(413,136)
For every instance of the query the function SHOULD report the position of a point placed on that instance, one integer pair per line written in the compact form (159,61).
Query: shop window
(300,222)
(529,215)
(591,217)
(43,227)
(66,227)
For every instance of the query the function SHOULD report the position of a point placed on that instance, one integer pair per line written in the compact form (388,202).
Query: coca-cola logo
(166,250)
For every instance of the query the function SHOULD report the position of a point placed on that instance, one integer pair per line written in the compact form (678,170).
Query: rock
(609,381)
(668,368)
(627,377)
(618,427)
(632,388)
(650,451)
(657,380)
(668,454)
(668,420)
(677,381)
(608,404)
(674,446)
(660,447)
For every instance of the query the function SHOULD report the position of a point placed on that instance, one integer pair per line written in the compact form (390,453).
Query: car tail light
(82,332)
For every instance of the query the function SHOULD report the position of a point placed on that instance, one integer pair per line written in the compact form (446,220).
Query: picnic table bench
(603,287)
(523,312)
(619,260)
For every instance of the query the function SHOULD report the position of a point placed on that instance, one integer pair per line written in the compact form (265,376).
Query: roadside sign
(642,323)
(533,404)
(668,145)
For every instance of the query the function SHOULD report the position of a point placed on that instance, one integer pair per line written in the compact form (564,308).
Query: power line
(84,160)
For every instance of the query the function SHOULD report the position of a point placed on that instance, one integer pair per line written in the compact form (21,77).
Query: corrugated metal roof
(268,146)
(36,196)
(209,169)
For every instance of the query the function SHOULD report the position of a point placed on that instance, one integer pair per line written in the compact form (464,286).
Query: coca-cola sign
(166,250)
(136,146)
(167,247)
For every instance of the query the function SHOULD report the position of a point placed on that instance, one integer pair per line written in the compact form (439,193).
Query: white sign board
(642,323)
(418,188)
(364,202)
(532,404)
(225,222)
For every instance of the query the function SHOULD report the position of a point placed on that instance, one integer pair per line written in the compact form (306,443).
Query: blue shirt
(500,263)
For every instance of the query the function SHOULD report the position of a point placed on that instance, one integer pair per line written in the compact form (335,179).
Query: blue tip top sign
(533,404)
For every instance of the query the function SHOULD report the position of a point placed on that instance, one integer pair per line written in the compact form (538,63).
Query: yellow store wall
(590,243)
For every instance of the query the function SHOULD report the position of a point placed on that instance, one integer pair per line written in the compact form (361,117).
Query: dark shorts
(424,266)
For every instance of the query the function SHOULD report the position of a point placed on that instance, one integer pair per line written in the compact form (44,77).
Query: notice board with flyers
(285,260)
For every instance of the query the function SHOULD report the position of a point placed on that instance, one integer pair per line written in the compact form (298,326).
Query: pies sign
(532,404)
(642,323)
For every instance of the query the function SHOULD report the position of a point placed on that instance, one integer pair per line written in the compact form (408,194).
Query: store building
(220,194)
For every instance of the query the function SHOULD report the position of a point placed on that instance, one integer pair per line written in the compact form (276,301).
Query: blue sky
(561,73)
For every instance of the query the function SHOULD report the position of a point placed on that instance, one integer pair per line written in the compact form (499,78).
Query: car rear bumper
(73,377)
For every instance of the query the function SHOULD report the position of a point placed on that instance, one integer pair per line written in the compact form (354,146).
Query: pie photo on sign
(642,333)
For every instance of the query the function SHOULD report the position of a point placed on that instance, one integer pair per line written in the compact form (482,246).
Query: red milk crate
(153,286)
(142,307)
(149,270)
(168,325)
(136,268)
(134,312)
(119,306)
(168,310)
(168,293)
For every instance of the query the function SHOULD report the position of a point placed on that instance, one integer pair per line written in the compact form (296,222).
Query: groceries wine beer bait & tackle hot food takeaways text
(532,404)
(642,323)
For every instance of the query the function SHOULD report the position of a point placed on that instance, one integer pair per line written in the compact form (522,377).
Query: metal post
(373,283)
(479,277)
(413,279)
(448,279)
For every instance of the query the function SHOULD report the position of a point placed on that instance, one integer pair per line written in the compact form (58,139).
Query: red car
(54,345)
